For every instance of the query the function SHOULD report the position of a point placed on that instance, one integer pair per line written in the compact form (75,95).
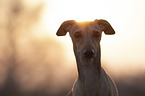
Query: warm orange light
(119,46)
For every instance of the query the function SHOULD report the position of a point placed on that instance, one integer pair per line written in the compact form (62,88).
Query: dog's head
(86,36)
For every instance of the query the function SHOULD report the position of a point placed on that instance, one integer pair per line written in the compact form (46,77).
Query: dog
(92,79)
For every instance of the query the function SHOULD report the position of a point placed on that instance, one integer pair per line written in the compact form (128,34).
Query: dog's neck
(89,74)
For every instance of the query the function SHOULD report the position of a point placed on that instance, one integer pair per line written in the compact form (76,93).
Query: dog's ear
(65,27)
(105,26)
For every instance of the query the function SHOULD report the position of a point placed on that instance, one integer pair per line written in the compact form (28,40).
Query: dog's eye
(77,34)
(96,34)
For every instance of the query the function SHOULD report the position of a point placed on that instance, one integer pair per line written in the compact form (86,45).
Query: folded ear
(105,26)
(65,27)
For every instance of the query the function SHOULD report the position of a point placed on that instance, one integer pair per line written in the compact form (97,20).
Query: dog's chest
(90,83)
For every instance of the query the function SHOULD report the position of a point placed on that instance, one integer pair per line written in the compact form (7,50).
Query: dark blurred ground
(131,86)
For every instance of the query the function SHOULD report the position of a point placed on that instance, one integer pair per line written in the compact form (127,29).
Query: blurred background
(35,62)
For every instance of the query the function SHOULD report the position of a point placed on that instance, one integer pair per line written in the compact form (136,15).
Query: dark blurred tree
(19,18)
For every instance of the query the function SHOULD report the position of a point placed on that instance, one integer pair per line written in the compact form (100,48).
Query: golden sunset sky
(123,52)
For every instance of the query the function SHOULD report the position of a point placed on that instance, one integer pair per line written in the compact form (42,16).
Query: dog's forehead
(86,25)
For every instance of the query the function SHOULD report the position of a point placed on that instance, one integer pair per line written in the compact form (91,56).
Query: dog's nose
(88,53)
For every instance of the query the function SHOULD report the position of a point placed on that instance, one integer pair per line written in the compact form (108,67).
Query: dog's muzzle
(89,53)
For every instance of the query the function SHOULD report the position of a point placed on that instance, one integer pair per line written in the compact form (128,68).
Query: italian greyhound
(92,79)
